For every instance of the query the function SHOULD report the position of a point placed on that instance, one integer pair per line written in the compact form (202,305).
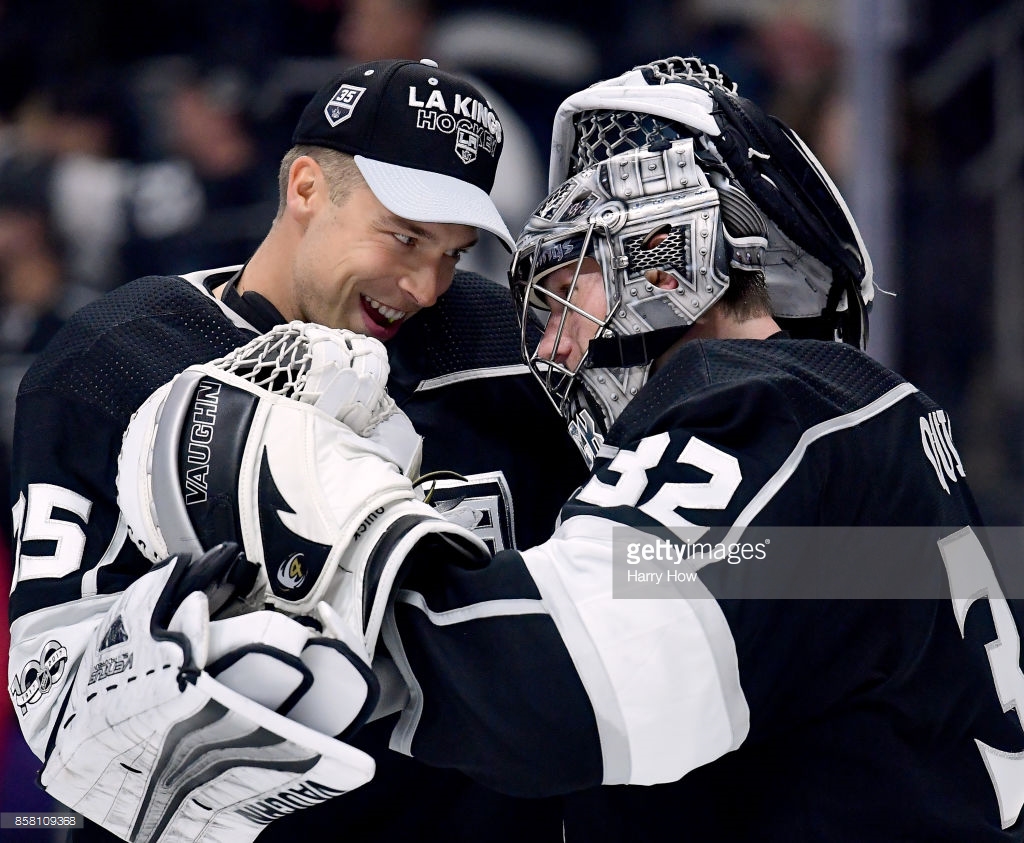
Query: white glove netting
(330,369)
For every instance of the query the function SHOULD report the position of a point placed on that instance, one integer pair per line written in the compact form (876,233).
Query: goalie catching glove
(291,446)
(179,728)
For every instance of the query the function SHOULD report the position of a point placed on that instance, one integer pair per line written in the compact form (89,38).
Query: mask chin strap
(619,352)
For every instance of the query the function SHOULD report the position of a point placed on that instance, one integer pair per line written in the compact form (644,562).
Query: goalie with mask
(685,228)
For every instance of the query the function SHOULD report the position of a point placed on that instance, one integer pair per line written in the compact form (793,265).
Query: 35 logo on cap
(340,107)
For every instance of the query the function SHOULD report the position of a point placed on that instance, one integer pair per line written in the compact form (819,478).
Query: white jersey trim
(409,719)
(811,435)
(196,279)
(472,375)
(89,578)
(487,609)
(662,675)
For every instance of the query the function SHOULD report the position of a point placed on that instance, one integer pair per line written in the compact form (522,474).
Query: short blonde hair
(339,169)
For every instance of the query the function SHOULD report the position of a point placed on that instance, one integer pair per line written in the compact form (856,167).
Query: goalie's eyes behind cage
(578,289)
(534,263)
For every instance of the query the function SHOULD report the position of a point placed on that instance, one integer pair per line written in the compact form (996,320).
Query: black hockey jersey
(746,718)
(467,393)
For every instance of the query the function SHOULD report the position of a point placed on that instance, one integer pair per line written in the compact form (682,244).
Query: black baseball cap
(426,141)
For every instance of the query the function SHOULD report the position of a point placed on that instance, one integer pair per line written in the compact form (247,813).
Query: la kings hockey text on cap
(426,141)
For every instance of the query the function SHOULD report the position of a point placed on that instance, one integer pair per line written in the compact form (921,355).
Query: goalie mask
(666,168)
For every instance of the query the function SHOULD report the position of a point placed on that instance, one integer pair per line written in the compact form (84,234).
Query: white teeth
(388,313)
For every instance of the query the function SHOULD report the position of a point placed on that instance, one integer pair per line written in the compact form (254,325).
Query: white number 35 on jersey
(41,516)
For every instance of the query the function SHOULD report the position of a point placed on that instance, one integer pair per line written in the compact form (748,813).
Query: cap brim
(424,196)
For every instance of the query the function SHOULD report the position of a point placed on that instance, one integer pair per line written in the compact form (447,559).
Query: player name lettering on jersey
(937,441)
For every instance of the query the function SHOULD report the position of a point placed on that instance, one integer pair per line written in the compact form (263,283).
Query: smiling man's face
(361,267)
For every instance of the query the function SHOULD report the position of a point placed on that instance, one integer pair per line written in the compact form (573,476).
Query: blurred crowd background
(143,138)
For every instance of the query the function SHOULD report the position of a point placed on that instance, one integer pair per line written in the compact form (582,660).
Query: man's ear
(305,183)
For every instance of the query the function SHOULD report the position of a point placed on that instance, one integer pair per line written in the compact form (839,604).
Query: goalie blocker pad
(326,513)
(209,458)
